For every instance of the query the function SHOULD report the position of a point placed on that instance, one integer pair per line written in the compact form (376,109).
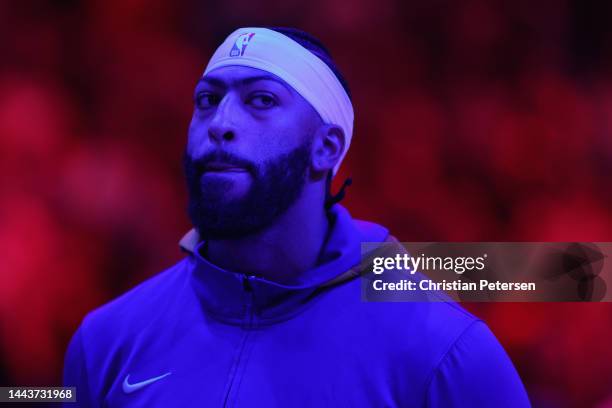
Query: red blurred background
(476,120)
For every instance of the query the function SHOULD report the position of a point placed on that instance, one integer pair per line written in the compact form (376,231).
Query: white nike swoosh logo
(129,388)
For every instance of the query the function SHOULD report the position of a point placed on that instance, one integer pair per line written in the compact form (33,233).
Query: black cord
(330,200)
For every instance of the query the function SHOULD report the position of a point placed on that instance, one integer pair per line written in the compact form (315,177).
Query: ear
(328,145)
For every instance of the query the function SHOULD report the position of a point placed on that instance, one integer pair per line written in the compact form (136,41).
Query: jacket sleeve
(476,372)
(75,372)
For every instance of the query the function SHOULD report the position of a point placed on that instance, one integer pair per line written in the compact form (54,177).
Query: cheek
(272,141)
(285,132)
(191,142)
(197,136)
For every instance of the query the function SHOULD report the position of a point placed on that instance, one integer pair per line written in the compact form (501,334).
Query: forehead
(239,76)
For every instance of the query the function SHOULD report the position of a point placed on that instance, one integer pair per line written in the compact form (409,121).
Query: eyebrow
(246,81)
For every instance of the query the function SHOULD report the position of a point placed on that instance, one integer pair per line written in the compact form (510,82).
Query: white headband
(278,54)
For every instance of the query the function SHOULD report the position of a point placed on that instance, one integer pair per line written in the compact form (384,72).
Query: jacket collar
(226,295)
(189,241)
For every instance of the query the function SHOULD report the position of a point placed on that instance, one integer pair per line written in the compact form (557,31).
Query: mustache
(220,156)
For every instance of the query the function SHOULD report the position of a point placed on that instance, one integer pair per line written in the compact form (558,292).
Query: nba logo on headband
(240,45)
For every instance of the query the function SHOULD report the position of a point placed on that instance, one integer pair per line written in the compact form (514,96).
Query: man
(265,309)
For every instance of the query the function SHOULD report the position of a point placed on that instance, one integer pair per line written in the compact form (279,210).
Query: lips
(218,167)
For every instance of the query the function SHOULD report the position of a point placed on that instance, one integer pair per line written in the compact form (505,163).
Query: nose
(222,127)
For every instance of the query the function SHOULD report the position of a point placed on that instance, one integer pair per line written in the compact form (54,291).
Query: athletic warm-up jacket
(196,335)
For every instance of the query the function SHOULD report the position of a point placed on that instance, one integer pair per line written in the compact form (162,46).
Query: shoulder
(448,353)
(431,326)
(476,371)
(129,313)
(425,329)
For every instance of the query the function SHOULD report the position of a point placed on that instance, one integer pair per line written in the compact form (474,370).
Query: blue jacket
(199,336)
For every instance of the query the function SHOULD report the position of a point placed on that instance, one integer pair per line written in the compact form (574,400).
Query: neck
(281,252)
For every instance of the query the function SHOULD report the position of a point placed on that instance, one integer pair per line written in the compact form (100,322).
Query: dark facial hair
(275,185)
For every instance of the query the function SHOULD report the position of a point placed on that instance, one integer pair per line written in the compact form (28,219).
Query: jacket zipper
(247,326)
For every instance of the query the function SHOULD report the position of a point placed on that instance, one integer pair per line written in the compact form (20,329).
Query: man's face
(248,151)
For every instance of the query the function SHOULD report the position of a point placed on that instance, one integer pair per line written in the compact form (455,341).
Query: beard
(275,185)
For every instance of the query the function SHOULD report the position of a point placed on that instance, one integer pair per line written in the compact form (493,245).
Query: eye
(206,100)
(262,101)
